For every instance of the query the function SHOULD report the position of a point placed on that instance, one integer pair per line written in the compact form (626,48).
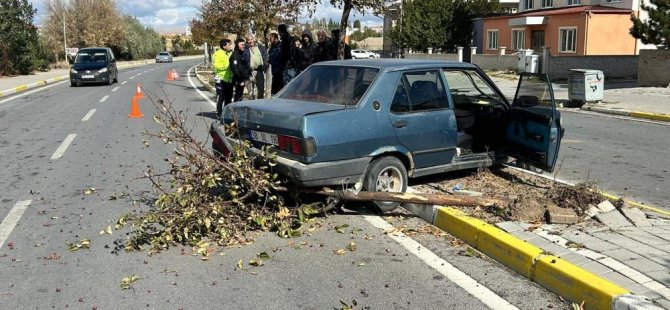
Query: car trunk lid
(279,116)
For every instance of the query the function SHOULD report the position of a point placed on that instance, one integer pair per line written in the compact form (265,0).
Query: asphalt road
(53,147)
(626,157)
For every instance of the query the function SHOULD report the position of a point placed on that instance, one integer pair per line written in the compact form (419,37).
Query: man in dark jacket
(323,47)
(241,70)
(288,63)
(256,57)
(274,54)
(309,49)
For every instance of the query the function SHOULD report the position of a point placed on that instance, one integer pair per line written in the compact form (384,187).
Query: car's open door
(534,131)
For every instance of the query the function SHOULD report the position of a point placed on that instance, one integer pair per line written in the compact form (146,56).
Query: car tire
(116,78)
(73,84)
(372,57)
(109,79)
(385,174)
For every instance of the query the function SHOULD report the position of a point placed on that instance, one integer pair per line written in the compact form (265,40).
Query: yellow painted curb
(651,116)
(575,284)
(21,88)
(458,224)
(635,204)
(512,252)
(554,274)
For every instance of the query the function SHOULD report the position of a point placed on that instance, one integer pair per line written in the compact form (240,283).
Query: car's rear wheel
(385,174)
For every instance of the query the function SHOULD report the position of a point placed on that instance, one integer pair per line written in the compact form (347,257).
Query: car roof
(93,49)
(395,64)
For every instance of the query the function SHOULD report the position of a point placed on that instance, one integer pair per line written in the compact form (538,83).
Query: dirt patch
(529,195)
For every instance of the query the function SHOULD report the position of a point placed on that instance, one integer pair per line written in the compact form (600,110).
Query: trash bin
(585,85)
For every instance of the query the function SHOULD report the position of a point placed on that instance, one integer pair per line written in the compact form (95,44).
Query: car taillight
(293,145)
(218,144)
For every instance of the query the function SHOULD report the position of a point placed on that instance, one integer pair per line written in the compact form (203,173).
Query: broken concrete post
(424,199)
(606,206)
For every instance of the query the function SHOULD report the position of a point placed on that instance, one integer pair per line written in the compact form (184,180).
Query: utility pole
(64,37)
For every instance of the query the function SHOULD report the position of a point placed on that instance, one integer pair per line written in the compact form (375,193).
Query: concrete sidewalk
(16,84)
(619,98)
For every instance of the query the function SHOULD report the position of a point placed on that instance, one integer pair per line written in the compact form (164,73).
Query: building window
(547,3)
(492,39)
(568,40)
(528,4)
(518,39)
(574,2)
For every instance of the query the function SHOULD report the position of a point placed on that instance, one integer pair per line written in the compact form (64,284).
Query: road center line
(456,276)
(88,115)
(115,88)
(124,82)
(12,219)
(132,77)
(104,98)
(63,146)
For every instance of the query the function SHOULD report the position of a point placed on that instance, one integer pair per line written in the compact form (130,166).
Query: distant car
(363,54)
(163,57)
(381,121)
(94,65)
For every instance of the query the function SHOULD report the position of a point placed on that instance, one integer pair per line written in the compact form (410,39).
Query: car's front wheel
(385,174)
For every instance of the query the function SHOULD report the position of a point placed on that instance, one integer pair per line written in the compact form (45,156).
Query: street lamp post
(64,37)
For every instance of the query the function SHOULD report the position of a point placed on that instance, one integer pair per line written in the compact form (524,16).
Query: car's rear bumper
(338,172)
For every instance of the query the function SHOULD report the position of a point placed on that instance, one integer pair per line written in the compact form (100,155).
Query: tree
(87,22)
(656,29)
(439,24)
(218,17)
(18,36)
(357,24)
(347,5)
(139,42)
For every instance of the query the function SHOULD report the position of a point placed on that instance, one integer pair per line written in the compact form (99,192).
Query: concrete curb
(553,273)
(125,65)
(635,114)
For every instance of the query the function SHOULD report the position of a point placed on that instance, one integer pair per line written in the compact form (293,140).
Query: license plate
(264,137)
(88,76)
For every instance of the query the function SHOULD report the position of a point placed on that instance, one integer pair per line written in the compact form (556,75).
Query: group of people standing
(243,63)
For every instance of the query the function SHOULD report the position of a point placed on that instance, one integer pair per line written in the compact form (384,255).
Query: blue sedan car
(382,121)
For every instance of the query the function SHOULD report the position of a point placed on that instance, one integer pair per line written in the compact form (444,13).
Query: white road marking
(63,146)
(88,115)
(115,88)
(197,90)
(32,91)
(104,98)
(138,74)
(12,219)
(474,288)
(124,82)
(132,77)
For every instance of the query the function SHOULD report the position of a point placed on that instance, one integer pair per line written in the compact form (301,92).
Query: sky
(169,16)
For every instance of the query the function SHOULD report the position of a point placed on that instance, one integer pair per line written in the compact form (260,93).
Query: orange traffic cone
(138,92)
(135,109)
(170,77)
(175,75)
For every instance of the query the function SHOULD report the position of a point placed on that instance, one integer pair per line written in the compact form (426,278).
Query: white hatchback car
(363,54)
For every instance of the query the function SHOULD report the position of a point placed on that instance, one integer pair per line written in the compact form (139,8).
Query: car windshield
(89,57)
(331,84)
(162,54)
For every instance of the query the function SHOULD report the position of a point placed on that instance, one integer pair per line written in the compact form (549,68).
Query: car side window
(400,103)
(425,90)
(467,87)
